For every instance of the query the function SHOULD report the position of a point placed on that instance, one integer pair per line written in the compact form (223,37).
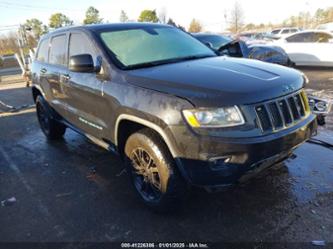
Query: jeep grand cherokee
(178,114)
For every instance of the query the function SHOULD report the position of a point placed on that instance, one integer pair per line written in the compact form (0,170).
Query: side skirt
(104,143)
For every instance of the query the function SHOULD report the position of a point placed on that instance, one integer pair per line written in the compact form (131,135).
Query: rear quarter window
(322,37)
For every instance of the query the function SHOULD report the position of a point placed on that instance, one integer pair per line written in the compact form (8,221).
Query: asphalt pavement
(72,190)
(321,85)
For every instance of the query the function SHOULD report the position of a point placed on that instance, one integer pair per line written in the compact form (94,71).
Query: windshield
(144,46)
(217,41)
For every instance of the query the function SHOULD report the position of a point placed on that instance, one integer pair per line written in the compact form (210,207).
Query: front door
(84,91)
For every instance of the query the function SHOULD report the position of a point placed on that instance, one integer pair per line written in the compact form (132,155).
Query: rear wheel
(153,172)
(50,127)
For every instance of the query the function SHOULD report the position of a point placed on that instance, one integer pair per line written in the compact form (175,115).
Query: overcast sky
(209,12)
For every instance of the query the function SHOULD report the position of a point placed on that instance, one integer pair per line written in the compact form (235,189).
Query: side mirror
(82,63)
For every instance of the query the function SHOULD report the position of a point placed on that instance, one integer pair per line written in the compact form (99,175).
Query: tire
(51,128)
(153,172)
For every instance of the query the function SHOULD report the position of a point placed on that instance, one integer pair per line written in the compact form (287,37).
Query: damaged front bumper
(320,104)
(244,158)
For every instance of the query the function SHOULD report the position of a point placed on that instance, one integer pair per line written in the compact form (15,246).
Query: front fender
(150,108)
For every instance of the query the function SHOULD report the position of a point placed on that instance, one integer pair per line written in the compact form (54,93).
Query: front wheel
(50,127)
(153,172)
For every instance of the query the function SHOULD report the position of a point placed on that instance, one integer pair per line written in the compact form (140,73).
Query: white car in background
(309,48)
(283,32)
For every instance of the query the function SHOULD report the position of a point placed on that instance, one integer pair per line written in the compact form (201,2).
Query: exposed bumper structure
(223,162)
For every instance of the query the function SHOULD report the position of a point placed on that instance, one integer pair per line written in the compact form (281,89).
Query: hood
(219,81)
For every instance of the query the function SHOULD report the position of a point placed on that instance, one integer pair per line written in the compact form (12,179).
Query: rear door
(56,73)
(84,90)
(40,68)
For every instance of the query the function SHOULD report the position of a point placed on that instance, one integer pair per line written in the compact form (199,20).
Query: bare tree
(162,15)
(236,18)
(123,16)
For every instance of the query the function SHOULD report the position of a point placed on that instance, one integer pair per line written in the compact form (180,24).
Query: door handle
(43,70)
(66,77)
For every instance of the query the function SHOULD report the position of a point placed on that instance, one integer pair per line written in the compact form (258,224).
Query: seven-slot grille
(275,115)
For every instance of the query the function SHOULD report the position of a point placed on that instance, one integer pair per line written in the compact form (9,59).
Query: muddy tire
(153,171)
(51,128)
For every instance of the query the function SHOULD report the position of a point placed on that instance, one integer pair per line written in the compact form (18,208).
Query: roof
(109,27)
(286,28)
(310,30)
(203,34)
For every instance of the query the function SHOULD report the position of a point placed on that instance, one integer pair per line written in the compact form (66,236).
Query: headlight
(219,117)
(319,105)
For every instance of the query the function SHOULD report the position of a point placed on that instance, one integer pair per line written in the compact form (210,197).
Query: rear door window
(43,51)
(303,37)
(58,50)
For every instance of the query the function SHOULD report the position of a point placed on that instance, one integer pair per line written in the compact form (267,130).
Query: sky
(211,13)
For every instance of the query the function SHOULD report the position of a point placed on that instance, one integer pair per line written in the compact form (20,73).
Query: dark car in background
(225,45)
(178,114)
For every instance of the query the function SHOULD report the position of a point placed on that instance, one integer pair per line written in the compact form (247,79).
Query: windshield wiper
(168,61)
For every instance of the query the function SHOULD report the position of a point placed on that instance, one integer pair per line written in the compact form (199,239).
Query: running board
(101,143)
(104,143)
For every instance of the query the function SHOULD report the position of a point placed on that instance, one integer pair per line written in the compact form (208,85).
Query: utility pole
(225,21)
(22,44)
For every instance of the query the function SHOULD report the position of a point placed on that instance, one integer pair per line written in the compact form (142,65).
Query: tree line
(303,20)
(34,28)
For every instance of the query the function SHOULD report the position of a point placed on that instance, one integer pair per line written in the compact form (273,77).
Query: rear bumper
(225,162)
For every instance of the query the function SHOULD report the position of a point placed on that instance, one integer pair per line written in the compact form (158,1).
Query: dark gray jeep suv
(176,112)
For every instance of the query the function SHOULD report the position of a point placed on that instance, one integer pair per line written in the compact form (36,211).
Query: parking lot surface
(321,84)
(71,190)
